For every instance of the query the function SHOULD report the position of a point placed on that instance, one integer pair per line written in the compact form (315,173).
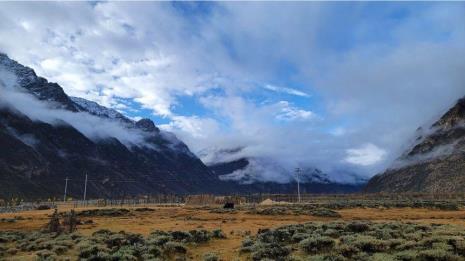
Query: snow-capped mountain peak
(96,109)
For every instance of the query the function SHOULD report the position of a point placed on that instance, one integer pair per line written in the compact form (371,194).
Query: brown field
(235,225)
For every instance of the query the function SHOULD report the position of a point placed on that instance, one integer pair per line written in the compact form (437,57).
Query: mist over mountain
(435,163)
(49,136)
(336,87)
(254,174)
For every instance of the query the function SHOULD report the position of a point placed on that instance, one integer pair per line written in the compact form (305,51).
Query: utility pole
(85,188)
(297,172)
(66,189)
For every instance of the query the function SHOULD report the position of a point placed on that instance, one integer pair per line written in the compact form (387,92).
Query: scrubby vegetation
(357,241)
(105,212)
(387,203)
(292,209)
(106,245)
(324,212)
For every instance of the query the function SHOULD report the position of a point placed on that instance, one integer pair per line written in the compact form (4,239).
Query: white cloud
(366,155)
(286,90)
(381,87)
(290,113)
(195,127)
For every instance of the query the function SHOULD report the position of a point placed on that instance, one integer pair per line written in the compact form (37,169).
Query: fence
(177,200)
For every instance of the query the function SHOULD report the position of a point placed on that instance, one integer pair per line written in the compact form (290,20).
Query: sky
(338,86)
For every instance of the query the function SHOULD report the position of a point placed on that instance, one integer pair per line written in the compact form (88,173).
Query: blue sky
(332,85)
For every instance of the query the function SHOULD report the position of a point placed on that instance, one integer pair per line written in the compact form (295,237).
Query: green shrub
(347,250)
(8,220)
(407,255)
(370,244)
(281,235)
(155,251)
(297,237)
(128,253)
(272,251)
(10,251)
(406,245)
(382,257)
(180,235)
(332,233)
(104,212)
(458,245)
(174,248)
(211,257)
(45,255)
(314,245)
(437,255)
(324,212)
(158,240)
(415,236)
(144,209)
(247,244)
(447,206)
(218,234)
(199,236)
(88,251)
(358,227)
(59,249)
(325,258)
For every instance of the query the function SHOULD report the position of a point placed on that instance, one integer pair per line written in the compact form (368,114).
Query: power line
(66,188)
(85,188)
(297,171)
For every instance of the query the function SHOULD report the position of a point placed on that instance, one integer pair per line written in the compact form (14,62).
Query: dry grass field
(237,225)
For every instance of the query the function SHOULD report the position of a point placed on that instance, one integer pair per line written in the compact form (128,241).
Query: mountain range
(47,136)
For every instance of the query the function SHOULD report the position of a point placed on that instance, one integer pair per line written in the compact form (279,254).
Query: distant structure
(297,173)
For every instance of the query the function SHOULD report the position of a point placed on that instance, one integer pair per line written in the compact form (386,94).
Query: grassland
(250,232)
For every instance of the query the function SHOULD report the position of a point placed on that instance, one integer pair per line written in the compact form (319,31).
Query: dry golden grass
(235,225)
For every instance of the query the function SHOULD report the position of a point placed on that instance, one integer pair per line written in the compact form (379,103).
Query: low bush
(92,250)
(158,240)
(437,255)
(314,245)
(370,244)
(45,254)
(180,235)
(218,234)
(171,248)
(211,257)
(272,251)
(144,209)
(324,212)
(309,241)
(43,207)
(357,227)
(270,211)
(104,212)
(199,236)
(8,220)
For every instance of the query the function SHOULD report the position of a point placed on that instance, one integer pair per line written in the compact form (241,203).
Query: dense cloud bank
(341,87)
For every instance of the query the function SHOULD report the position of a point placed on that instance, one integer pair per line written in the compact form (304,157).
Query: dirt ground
(235,225)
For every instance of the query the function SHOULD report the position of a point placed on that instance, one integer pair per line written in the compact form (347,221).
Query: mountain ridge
(165,165)
(42,152)
(435,163)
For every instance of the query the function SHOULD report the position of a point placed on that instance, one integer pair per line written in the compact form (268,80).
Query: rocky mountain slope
(436,161)
(42,146)
(47,136)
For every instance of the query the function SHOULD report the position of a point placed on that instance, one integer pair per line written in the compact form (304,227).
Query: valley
(245,222)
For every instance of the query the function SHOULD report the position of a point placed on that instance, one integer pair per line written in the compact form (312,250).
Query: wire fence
(169,200)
